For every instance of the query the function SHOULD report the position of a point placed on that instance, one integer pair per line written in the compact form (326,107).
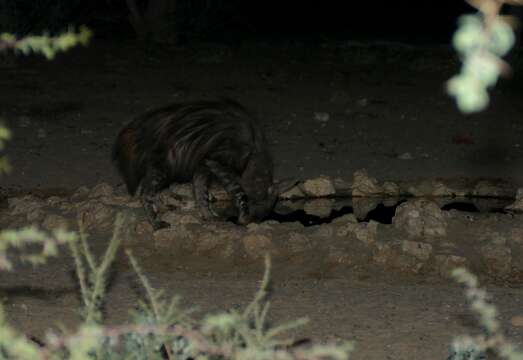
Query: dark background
(236,20)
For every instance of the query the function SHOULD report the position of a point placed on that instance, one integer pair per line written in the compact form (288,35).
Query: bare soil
(328,109)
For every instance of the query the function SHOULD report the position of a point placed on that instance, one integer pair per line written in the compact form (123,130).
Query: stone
(54,201)
(24,204)
(516,236)
(497,259)
(143,227)
(318,187)
(446,263)
(364,232)
(174,238)
(420,218)
(257,245)
(486,188)
(391,188)
(419,250)
(322,231)
(432,187)
(517,321)
(298,243)
(102,189)
(347,218)
(319,207)
(364,185)
(181,190)
(293,193)
(81,193)
(342,187)
(35,215)
(53,221)
(363,205)
(517,205)
(260,227)
(179,218)
(93,213)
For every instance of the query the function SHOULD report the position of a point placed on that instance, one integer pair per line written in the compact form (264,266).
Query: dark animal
(198,142)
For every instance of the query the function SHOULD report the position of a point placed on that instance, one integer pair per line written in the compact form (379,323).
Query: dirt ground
(330,109)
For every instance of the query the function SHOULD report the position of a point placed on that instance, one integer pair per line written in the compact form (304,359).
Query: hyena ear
(283,185)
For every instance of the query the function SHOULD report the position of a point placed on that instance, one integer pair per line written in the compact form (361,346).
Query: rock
(218,193)
(285,207)
(318,187)
(54,201)
(369,234)
(340,255)
(325,231)
(419,250)
(486,188)
(340,97)
(388,255)
(446,263)
(322,117)
(517,205)
(93,213)
(346,229)
(363,185)
(176,218)
(54,221)
(364,232)
(497,260)
(516,236)
(517,321)
(257,245)
(362,102)
(342,187)
(420,218)
(405,156)
(183,191)
(391,188)
(298,243)
(319,207)
(35,215)
(102,189)
(384,254)
(24,204)
(174,238)
(260,227)
(347,218)
(493,238)
(293,193)
(361,206)
(143,227)
(81,193)
(121,200)
(169,200)
(431,188)
(222,244)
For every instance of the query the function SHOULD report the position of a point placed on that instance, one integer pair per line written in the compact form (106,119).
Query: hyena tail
(126,157)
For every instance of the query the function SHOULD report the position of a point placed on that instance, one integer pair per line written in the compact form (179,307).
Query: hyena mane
(198,142)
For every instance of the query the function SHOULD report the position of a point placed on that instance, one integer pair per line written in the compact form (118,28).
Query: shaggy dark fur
(198,142)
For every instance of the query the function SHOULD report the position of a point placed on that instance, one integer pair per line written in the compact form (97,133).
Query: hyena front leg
(230,181)
(152,183)
(200,186)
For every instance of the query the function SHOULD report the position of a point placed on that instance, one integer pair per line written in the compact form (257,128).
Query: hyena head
(258,183)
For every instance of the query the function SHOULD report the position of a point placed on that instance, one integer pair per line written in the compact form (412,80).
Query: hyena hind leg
(200,185)
(230,181)
(152,183)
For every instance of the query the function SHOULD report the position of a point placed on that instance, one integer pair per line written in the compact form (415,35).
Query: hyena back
(198,142)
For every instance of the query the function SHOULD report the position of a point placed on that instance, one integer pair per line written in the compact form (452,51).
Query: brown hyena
(198,142)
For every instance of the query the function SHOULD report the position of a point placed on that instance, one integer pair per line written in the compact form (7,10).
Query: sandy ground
(387,112)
